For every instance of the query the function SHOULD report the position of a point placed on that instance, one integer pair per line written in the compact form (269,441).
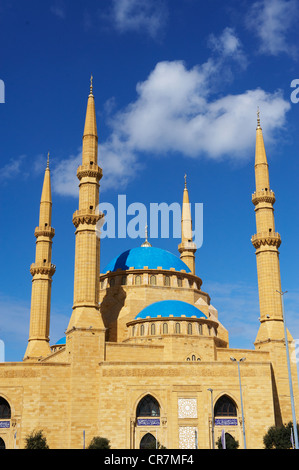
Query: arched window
(124,281)
(148,406)
(177,328)
(112,282)
(137,280)
(189,328)
(180,282)
(141,330)
(200,329)
(165,328)
(167,281)
(153,280)
(153,329)
(148,442)
(2,444)
(193,357)
(5,412)
(225,406)
(133,330)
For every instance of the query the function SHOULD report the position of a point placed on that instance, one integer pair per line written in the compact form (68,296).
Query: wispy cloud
(146,16)
(58,10)
(22,166)
(271,21)
(12,168)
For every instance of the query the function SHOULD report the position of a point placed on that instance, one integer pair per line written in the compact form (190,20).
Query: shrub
(36,440)
(99,443)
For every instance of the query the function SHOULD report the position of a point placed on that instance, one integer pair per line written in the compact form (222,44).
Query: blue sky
(177,84)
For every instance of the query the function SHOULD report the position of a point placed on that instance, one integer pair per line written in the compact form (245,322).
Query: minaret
(42,271)
(87,252)
(266,241)
(187,248)
(271,336)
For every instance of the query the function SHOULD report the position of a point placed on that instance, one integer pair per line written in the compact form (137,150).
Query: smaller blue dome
(61,341)
(165,308)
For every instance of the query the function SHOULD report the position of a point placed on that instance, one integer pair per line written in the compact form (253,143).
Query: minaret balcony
(88,216)
(264,195)
(45,231)
(187,246)
(91,170)
(42,268)
(266,238)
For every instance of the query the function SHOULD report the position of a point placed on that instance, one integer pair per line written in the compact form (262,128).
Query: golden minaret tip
(48,161)
(185,181)
(258,118)
(91,86)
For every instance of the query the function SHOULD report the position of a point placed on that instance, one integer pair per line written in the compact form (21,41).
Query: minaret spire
(87,255)
(266,241)
(42,271)
(187,248)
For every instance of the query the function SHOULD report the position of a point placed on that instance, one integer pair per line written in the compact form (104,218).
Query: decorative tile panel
(187,437)
(187,408)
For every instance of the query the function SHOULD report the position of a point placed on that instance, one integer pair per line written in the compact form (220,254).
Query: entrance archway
(2,444)
(148,441)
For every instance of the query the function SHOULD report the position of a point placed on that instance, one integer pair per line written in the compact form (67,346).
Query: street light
(243,423)
(213,438)
(289,371)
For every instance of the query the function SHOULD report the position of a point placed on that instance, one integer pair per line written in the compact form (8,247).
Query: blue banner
(226,422)
(4,424)
(148,422)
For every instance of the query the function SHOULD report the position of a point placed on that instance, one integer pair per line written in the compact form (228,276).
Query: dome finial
(146,243)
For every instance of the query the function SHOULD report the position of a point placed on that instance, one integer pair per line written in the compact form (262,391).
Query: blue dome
(149,256)
(61,341)
(165,308)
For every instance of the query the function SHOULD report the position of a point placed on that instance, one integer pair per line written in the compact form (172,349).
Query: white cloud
(271,21)
(179,110)
(175,111)
(138,15)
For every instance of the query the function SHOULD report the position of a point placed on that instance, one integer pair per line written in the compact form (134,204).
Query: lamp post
(289,371)
(243,423)
(212,409)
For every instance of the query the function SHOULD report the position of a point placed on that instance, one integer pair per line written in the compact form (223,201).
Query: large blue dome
(165,308)
(149,256)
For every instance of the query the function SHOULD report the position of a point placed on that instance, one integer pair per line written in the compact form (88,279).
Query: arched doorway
(225,407)
(2,444)
(146,428)
(5,412)
(148,406)
(148,442)
(226,420)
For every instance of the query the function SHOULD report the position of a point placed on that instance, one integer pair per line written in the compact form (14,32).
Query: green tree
(36,440)
(279,437)
(99,443)
(230,442)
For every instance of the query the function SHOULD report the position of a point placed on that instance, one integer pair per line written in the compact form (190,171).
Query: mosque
(145,358)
